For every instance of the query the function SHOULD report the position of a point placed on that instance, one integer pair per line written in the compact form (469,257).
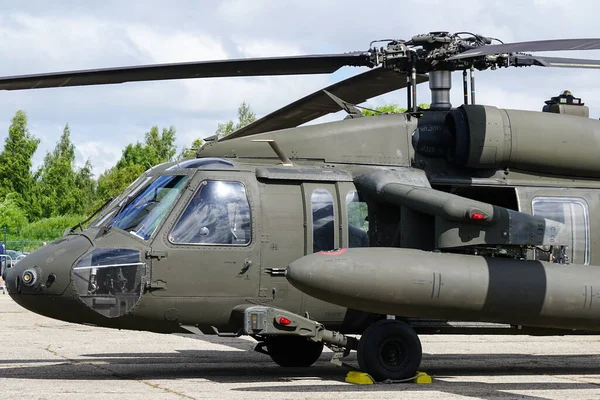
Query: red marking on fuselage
(333,252)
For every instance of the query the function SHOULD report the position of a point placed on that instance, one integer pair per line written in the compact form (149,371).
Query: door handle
(246,267)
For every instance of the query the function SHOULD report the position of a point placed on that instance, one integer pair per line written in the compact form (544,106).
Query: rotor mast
(440,83)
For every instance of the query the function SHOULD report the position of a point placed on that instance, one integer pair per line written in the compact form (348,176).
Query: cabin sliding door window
(358,224)
(323,220)
(218,214)
(574,214)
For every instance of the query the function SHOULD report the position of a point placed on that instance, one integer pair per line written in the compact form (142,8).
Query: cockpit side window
(218,214)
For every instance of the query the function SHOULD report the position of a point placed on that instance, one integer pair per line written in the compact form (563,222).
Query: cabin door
(210,245)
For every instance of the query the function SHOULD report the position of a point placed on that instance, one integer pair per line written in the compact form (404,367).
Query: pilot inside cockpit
(218,214)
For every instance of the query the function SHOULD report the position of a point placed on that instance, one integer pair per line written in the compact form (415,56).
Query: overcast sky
(41,36)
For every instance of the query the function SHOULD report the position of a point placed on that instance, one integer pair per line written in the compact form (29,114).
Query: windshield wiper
(124,203)
(79,224)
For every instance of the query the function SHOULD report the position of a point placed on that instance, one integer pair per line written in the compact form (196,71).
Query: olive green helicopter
(471,219)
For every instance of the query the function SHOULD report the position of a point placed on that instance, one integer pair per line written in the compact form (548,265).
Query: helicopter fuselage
(190,241)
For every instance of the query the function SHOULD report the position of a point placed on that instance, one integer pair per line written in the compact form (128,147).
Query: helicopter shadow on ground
(447,371)
(214,365)
(222,366)
(480,390)
(226,366)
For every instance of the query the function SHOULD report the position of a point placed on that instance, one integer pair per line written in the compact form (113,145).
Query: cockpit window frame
(204,181)
(203,163)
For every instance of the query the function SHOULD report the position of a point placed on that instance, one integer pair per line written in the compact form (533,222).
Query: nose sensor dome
(29,277)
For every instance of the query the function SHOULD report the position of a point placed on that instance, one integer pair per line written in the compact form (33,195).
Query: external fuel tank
(415,283)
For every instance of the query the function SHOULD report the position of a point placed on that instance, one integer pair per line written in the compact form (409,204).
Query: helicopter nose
(46,271)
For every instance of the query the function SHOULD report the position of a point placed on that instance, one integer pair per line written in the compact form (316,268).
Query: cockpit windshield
(146,210)
(109,210)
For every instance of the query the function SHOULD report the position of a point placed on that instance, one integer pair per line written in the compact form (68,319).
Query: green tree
(64,189)
(190,152)
(158,147)
(161,148)
(15,159)
(86,188)
(245,116)
(115,180)
(11,214)
(390,109)
(134,154)
(56,178)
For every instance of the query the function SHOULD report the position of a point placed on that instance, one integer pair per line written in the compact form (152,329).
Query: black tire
(389,349)
(361,342)
(294,351)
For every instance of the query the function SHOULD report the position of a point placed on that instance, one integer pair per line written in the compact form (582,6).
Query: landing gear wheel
(389,349)
(294,351)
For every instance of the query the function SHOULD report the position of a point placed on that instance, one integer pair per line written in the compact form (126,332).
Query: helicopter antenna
(284,159)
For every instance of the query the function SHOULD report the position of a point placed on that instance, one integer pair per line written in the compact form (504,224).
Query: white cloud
(38,44)
(264,47)
(104,154)
(175,46)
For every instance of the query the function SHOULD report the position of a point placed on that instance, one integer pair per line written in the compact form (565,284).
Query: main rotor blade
(559,62)
(536,45)
(311,64)
(355,90)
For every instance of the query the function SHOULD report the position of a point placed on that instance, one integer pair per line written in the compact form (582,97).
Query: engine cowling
(490,137)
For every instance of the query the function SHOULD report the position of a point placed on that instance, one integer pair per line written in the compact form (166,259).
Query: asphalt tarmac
(42,358)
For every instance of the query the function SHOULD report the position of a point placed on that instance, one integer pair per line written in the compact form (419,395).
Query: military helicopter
(472,219)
